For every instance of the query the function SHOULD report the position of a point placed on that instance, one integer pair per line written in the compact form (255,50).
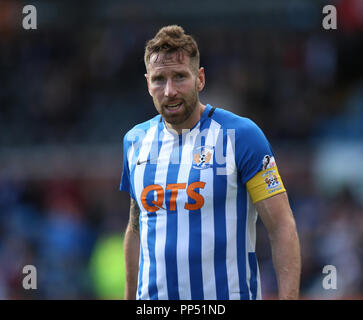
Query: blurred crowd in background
(71,89)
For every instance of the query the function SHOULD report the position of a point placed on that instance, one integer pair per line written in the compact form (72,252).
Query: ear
(200,79)
(147,83)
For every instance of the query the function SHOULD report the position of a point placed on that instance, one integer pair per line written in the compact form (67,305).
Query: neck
(190,122)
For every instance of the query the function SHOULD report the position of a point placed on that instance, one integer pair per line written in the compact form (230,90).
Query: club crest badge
(271,179)
(202,157)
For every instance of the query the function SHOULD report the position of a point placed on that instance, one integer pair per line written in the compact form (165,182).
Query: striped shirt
(196,193)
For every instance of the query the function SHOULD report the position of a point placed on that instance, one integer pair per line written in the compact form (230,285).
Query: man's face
(174,86)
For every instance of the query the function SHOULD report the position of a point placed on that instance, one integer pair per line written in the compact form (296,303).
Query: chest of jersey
(179,175)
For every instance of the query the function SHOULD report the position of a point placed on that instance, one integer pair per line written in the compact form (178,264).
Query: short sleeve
(256,163)
(125,184)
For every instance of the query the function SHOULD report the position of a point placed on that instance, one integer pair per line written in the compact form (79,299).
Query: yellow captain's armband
(265,184)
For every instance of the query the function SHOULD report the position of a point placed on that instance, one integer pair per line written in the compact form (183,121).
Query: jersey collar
(208,111)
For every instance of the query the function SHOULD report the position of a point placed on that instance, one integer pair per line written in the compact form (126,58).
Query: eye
(157,79)
(179,76)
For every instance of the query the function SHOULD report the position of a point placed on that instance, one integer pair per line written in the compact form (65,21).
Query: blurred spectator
(107,267)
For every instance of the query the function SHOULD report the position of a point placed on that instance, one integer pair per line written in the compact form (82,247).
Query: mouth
(173,107)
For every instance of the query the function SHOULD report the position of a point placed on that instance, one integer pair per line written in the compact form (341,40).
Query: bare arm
(132,249)
(276,215)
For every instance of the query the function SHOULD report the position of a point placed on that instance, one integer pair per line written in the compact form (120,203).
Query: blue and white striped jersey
(197,214)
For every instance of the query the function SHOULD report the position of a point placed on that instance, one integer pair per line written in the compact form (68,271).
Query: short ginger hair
(172,39)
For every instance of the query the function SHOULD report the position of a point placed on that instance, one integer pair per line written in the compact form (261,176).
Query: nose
(170,89)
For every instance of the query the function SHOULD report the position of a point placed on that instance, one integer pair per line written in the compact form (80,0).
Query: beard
(189,103)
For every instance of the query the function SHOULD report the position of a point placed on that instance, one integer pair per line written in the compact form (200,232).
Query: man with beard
(197,177)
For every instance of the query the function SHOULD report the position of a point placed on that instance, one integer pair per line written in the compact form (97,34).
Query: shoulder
(243,126)
(246,136)
(139,131)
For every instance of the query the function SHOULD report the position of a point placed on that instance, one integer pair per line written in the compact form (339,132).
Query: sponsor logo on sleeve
(268,162)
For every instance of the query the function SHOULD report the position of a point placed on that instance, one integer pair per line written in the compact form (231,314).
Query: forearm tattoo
(134,215)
